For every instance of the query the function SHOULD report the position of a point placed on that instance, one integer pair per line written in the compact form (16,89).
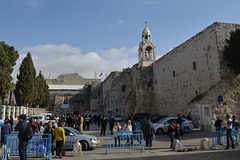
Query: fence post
(213,146)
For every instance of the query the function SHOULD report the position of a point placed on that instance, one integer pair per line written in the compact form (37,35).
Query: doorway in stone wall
(205,117)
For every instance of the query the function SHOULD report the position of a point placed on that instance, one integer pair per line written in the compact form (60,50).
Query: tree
(42,92)
(232,51)
(8,58)
(26,83)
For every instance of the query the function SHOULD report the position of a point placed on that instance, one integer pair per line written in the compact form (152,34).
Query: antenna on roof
(146,24)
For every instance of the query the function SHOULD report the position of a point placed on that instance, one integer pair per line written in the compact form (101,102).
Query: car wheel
(186,130)
(84,145)
(160,131)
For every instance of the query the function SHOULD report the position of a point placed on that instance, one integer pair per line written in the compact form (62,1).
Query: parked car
(118,118)
(41,118)
(154,119)
(162,125)
(87,141)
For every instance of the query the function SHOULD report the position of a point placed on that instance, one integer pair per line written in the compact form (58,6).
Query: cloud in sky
(150,2)
(32,3)
(61,59)
(121,21)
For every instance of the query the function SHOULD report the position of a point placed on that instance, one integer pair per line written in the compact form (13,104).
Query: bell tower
(146,49)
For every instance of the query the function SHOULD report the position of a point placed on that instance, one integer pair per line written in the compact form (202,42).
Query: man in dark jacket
(6,129)
(49,130)
(149,132)
(111,123)
(235,122)
(104,125)
(218,125)
(21,127)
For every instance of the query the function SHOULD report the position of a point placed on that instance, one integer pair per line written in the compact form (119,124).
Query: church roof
(146,31)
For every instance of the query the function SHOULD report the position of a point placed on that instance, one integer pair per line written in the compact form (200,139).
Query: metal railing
(219,136)
(124,139)
(39,144)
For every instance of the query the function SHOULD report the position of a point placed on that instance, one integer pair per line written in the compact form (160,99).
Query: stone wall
(177,82)
(224,97)
(189,78)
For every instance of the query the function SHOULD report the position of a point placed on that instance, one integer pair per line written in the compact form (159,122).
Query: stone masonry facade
(190,78)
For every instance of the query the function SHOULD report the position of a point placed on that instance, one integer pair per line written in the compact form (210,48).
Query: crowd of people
(81,123)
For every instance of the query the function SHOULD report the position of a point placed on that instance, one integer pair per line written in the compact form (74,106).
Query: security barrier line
(124,139)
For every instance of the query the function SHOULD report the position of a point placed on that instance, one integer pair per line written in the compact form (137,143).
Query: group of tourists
(231,123)
(114,126)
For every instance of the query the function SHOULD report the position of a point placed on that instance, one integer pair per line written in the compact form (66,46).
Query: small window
(98,93)
(163,69)
(173,73)
(194,65)
(123,88)
(196,93)
(131,79)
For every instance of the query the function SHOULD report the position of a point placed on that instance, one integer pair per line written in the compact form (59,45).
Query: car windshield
(74,131)
(162,120)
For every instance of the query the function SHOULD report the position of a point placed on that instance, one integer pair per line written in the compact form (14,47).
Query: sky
(101,36)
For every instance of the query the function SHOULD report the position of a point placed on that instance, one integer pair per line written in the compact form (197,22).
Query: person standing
(6,129)
(134,129)
(23,143)
(49,130)
(87,121)
(149,131)
(171,132)
(111,123)
(11,121)
(59,136)
(128,127)
(117,128)
(99,120)
(177,131)
(103,126)
(81,121)
(235,122)
(218,125)
(143,122)
(179,120)
(189,117)
(229,131)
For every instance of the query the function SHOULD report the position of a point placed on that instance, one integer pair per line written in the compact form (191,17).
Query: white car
(87,141)
(162,125)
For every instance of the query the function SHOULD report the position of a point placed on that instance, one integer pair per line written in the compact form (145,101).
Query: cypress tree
(43,96)
(8,58)
(25,91)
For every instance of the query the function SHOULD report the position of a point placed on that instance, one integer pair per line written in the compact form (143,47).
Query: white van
(47,115)
(41,118)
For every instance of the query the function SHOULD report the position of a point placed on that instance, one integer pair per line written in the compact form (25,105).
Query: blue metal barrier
(124,139)
(39,144)
(219,136)
(69,142)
